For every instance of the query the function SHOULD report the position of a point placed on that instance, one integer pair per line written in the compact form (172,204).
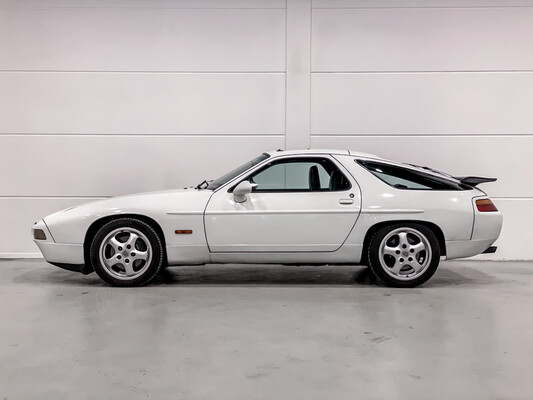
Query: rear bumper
(467,248)
(486,229)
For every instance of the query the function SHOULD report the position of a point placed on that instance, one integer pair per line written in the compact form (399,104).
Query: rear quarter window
(408,179)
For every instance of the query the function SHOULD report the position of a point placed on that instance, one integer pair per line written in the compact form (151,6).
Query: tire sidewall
(155,243)
(378,269)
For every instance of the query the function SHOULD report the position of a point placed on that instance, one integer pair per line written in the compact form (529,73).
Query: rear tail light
(485,205)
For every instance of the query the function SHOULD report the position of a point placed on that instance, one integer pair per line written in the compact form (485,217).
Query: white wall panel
(17,216)
(422,103)
(423,39)
(131,39)
(516,236)
(142,103)
(298,87)
(506,158)
(106,97)
(112,165)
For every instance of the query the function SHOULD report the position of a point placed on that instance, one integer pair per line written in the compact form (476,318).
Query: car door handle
(346,201)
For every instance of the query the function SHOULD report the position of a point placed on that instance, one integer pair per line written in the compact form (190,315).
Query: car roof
(321,151)
(362,156)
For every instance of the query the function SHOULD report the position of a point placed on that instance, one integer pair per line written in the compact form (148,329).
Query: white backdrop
(106,97)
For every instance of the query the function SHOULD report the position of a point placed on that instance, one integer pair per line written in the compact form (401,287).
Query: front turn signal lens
(39,234)
(485,205)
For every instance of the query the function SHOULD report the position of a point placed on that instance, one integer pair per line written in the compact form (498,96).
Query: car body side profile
(282,207)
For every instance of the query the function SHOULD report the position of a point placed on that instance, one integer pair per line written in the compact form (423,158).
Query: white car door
(300,204)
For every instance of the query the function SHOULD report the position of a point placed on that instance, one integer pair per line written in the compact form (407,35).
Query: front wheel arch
(99,223)
(374,228)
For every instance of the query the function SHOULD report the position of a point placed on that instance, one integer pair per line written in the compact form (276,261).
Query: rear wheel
(404,255)
(127,252)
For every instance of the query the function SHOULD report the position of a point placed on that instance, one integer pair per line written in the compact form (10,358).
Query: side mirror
(241,190)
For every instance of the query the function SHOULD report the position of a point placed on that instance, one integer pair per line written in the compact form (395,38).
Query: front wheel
(127,252)
(404,255)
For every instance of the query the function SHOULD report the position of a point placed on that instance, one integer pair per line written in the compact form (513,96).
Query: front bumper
(61,253)
(67,256)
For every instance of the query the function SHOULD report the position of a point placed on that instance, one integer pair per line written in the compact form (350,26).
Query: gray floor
(267,332)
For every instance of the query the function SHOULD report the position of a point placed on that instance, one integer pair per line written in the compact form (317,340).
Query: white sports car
(283,207)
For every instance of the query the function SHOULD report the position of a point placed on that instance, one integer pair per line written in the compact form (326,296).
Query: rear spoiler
(474,180)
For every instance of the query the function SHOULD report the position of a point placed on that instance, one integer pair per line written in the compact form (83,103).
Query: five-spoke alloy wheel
(404,255)
(127,252)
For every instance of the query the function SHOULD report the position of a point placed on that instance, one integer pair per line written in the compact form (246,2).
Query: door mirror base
(241,190)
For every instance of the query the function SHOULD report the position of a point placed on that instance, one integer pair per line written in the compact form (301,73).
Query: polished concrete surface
(267,332)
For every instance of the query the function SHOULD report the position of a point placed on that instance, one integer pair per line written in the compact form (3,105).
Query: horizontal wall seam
(175,72)
(10,197)
(429,135)
(261,135)
(8,256)
(149,135)
(414,7)
(138,8)
(451,71)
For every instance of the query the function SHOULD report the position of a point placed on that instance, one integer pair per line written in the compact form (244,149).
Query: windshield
(236,172)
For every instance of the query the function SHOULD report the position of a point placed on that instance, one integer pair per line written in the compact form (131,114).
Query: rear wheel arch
(99,223)
(374,228)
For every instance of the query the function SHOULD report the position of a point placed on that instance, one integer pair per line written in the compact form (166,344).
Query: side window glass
(303,174)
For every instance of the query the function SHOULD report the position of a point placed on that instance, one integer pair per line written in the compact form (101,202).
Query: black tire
(144,256)
(410,267)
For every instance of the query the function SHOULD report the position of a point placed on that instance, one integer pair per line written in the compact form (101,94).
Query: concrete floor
(267,332)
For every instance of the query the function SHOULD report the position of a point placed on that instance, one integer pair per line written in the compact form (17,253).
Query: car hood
(151,204)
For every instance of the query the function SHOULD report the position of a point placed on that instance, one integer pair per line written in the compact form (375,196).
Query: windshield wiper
(202,185)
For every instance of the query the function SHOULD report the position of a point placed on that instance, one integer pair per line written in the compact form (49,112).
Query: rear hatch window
(410,179)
